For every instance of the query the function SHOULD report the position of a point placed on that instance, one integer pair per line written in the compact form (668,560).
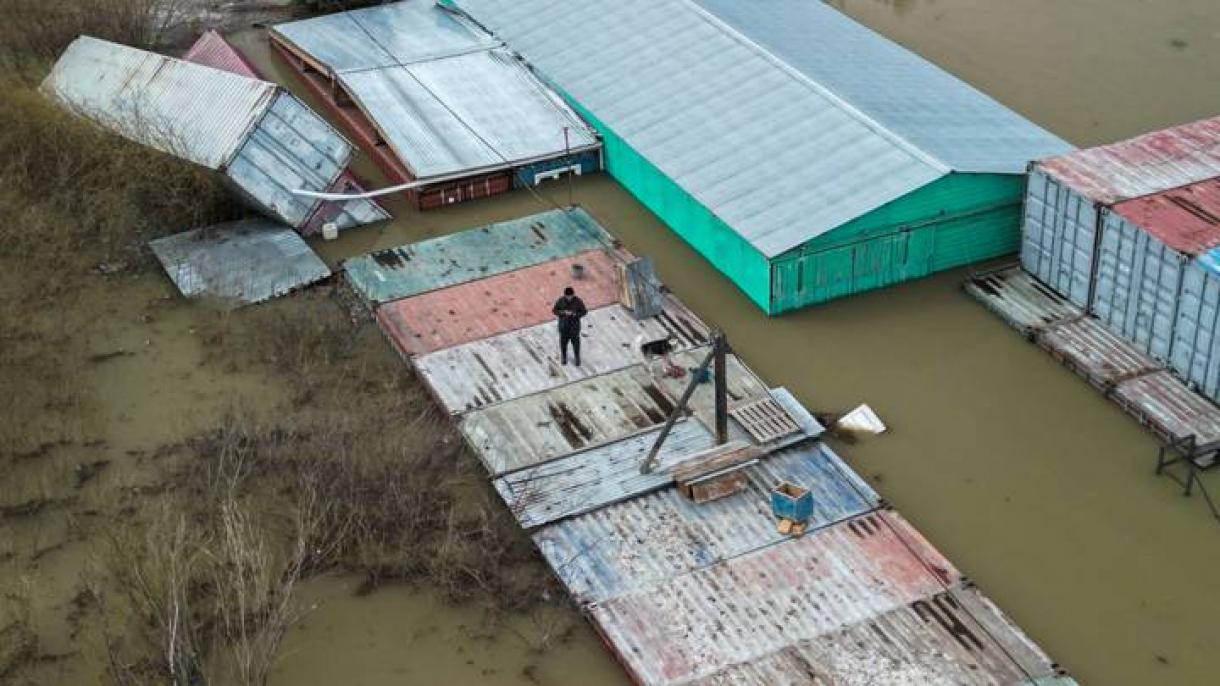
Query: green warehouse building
(807,157)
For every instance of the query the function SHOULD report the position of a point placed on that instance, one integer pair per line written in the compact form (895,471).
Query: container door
(1138,280)
(1196,337)
(1057,237)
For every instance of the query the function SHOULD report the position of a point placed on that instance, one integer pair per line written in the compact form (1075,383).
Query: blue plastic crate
(792,502)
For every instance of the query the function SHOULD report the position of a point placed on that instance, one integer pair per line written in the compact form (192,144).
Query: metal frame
(1189,454)
(717,355)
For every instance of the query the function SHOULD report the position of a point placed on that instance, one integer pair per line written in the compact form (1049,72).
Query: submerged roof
(198,113)
(212,50)
(440,91)
(782,139)
(242,262)
(1147,164)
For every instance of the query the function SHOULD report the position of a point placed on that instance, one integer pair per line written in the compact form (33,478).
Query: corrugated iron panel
(382,36)
(1186,219)
(1196,336)
(476,253)
(1143,165)
(1057,236)
(751,606)
(525,361)
(290,148)
(1136,286)
(935,641)
(1020,299)
(243,262)
(346,214)
(924,104)
(776,156)
(1166,405)
(590,479)
(476,111)
(487,307)
(195,112)
(1091,350)
(212,50)
(541,427)
(650,539)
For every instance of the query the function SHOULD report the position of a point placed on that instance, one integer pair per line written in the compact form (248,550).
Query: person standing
(569,309)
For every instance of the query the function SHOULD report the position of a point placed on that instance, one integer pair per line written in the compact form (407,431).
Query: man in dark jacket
(569,309)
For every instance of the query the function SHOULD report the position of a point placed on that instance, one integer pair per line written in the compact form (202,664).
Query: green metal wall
(704,231)
(956,220)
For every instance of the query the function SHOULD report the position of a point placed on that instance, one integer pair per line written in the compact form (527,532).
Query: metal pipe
(649,462)
(722,401)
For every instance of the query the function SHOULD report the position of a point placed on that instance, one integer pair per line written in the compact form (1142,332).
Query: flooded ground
(1033,484)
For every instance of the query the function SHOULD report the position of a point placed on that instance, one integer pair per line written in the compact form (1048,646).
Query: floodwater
(1033,484)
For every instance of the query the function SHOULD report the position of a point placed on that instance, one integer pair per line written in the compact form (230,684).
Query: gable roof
(762,139)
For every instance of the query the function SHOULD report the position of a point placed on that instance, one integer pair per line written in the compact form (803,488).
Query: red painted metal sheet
(1088,348)
(486,307)
(747,607)
(1151,163)
(1186,219)
(1163,403)
(328,210)
(212,50)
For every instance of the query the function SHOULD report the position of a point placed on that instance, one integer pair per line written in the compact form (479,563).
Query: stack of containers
(1130,233)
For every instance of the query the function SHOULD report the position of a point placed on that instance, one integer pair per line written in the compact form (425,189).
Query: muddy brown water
(1035,486)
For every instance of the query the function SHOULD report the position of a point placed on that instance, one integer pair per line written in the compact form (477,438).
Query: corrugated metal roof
(476,253)
(345,214)
(543,426)
(212,50)
(525,361)
(751,606)
(936,641)
(383,36)
(590,479)
(1143,165)
(1164,402)
(649,539)
(1186,219)
(244,262)
(774,155)
(1093,351)
(476,111)
(917,100)
(198,113)
(487,307)
(1020,299)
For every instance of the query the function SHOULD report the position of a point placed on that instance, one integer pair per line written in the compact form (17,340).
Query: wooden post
(722,402)
(650,461)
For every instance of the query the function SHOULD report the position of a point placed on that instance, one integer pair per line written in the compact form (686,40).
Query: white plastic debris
(861,420)
(330,231)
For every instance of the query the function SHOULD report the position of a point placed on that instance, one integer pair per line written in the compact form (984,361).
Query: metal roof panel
(212,50)
(1186,219)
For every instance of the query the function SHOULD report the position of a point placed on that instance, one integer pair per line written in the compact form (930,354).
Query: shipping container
(593,478)
(805,156)
(488,307)
(651,538)
(526,361)
(438,100)
(265,142)
(1058,237)
(472,254)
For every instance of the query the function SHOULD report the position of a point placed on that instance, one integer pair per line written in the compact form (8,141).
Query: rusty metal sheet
(1143,165)
(487,307)
(650,539)
(212,50)
(934,640)
(590,479)
(475,253)
(541,427)
(241,262)
(1091,350)
(1020,299)
(525,361)
(1163,403)
(1186,219)
(746,608)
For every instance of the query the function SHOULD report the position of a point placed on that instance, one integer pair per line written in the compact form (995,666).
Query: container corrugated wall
(1196,336)
(1137,283)
(1057,242)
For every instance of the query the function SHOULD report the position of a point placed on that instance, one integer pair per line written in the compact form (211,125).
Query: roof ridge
(820,88)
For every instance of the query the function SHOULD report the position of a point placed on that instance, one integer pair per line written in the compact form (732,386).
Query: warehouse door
(828,274)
